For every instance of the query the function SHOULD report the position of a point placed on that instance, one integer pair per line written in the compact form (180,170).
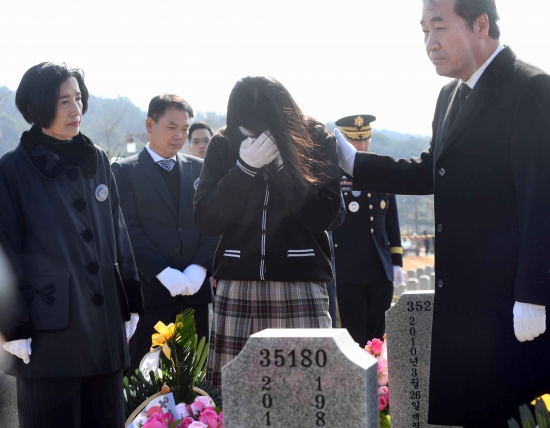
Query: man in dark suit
(367,247)
(173,257)
(487,166)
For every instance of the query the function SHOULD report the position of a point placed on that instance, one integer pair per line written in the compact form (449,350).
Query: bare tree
(105,120)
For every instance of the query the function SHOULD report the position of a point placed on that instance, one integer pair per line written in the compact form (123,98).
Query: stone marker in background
(424,282)
(412,284)
(432,281)
(428,270)
(301,378)
(411,274)
(409,337)
(419,272)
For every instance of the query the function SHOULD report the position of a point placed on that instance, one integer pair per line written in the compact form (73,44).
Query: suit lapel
(447,121)
(186,170)
(487,89)
(151,169)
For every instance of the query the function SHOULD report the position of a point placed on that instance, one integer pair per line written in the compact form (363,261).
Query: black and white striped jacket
(259,241)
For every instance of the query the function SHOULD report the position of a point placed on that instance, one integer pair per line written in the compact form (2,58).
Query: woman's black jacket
(260,241)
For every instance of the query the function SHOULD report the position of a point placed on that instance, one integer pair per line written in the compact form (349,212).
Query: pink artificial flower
(197,424)
(374,347)
(209,417)
(155,421)
(382,372)
(382,403)
(199,404)
(183,411)
(186,422)
(383,390)
(220,419)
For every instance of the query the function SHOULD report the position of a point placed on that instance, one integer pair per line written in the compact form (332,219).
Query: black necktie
(464,92)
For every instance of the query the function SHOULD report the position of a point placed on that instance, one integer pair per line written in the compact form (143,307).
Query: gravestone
(411,274)
(428,270)
(432,281)
(424,282)
(412,284)
(419,272)
(409,338)
(301,378)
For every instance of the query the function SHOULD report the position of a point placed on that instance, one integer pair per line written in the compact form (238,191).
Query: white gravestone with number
(409,338)
(301,378)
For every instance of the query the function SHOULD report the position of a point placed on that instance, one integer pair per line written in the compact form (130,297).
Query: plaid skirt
(242,308)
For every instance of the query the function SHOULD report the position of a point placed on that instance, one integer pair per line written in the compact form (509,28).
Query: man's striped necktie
(167,164)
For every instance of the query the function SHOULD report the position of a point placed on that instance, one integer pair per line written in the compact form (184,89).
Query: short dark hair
(470,10)
(37,94)
(159,104)
(199,125)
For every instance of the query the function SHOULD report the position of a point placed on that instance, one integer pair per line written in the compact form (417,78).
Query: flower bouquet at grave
(377,349)
(541,418)
(178,361)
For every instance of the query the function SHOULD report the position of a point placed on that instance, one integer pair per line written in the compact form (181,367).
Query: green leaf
(542,415)
(527,419)
(176,423)
(512,423)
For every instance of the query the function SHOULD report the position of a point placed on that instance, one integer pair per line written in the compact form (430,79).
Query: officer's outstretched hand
(346,152)
(21,348)
(398,277)
(529,320)
(131,325)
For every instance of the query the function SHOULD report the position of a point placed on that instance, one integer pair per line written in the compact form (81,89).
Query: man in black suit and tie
(488,168)
(173,257)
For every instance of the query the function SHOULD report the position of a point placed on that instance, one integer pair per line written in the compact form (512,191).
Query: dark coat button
(73,174)
(79,204)
(93,268)
(98,299)
(88,235)
(441,172)
(440,228)
(177,250)
(440,283)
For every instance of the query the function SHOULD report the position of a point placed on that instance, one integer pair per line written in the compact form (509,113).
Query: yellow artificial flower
(546,399)
(165,333)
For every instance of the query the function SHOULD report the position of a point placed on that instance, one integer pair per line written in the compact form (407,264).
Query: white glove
(278,160)
(195,274)
(398,277)
(260,151)
(175,282)
(131,325)
(21,348)
(346,152)
(529,320)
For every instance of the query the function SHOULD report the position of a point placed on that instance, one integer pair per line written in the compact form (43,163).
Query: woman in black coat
(270,186)
(78,298)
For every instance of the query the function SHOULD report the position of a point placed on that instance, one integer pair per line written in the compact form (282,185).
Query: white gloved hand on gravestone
(21,348)
(398,277)
(175,282)
(131,325)
(346,152)
(529,320)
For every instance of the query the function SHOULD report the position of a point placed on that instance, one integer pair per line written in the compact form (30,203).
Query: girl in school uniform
(270,187)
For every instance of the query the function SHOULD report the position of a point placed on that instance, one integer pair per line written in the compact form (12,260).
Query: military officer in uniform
(367,247)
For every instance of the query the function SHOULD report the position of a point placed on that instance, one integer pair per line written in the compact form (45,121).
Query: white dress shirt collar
(156,157)
(471,82)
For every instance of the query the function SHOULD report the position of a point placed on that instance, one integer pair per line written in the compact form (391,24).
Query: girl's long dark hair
(262,103)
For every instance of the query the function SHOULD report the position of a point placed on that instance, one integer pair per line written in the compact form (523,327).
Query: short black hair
(160,103)
(470,10)
(199,125)
(37,94)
